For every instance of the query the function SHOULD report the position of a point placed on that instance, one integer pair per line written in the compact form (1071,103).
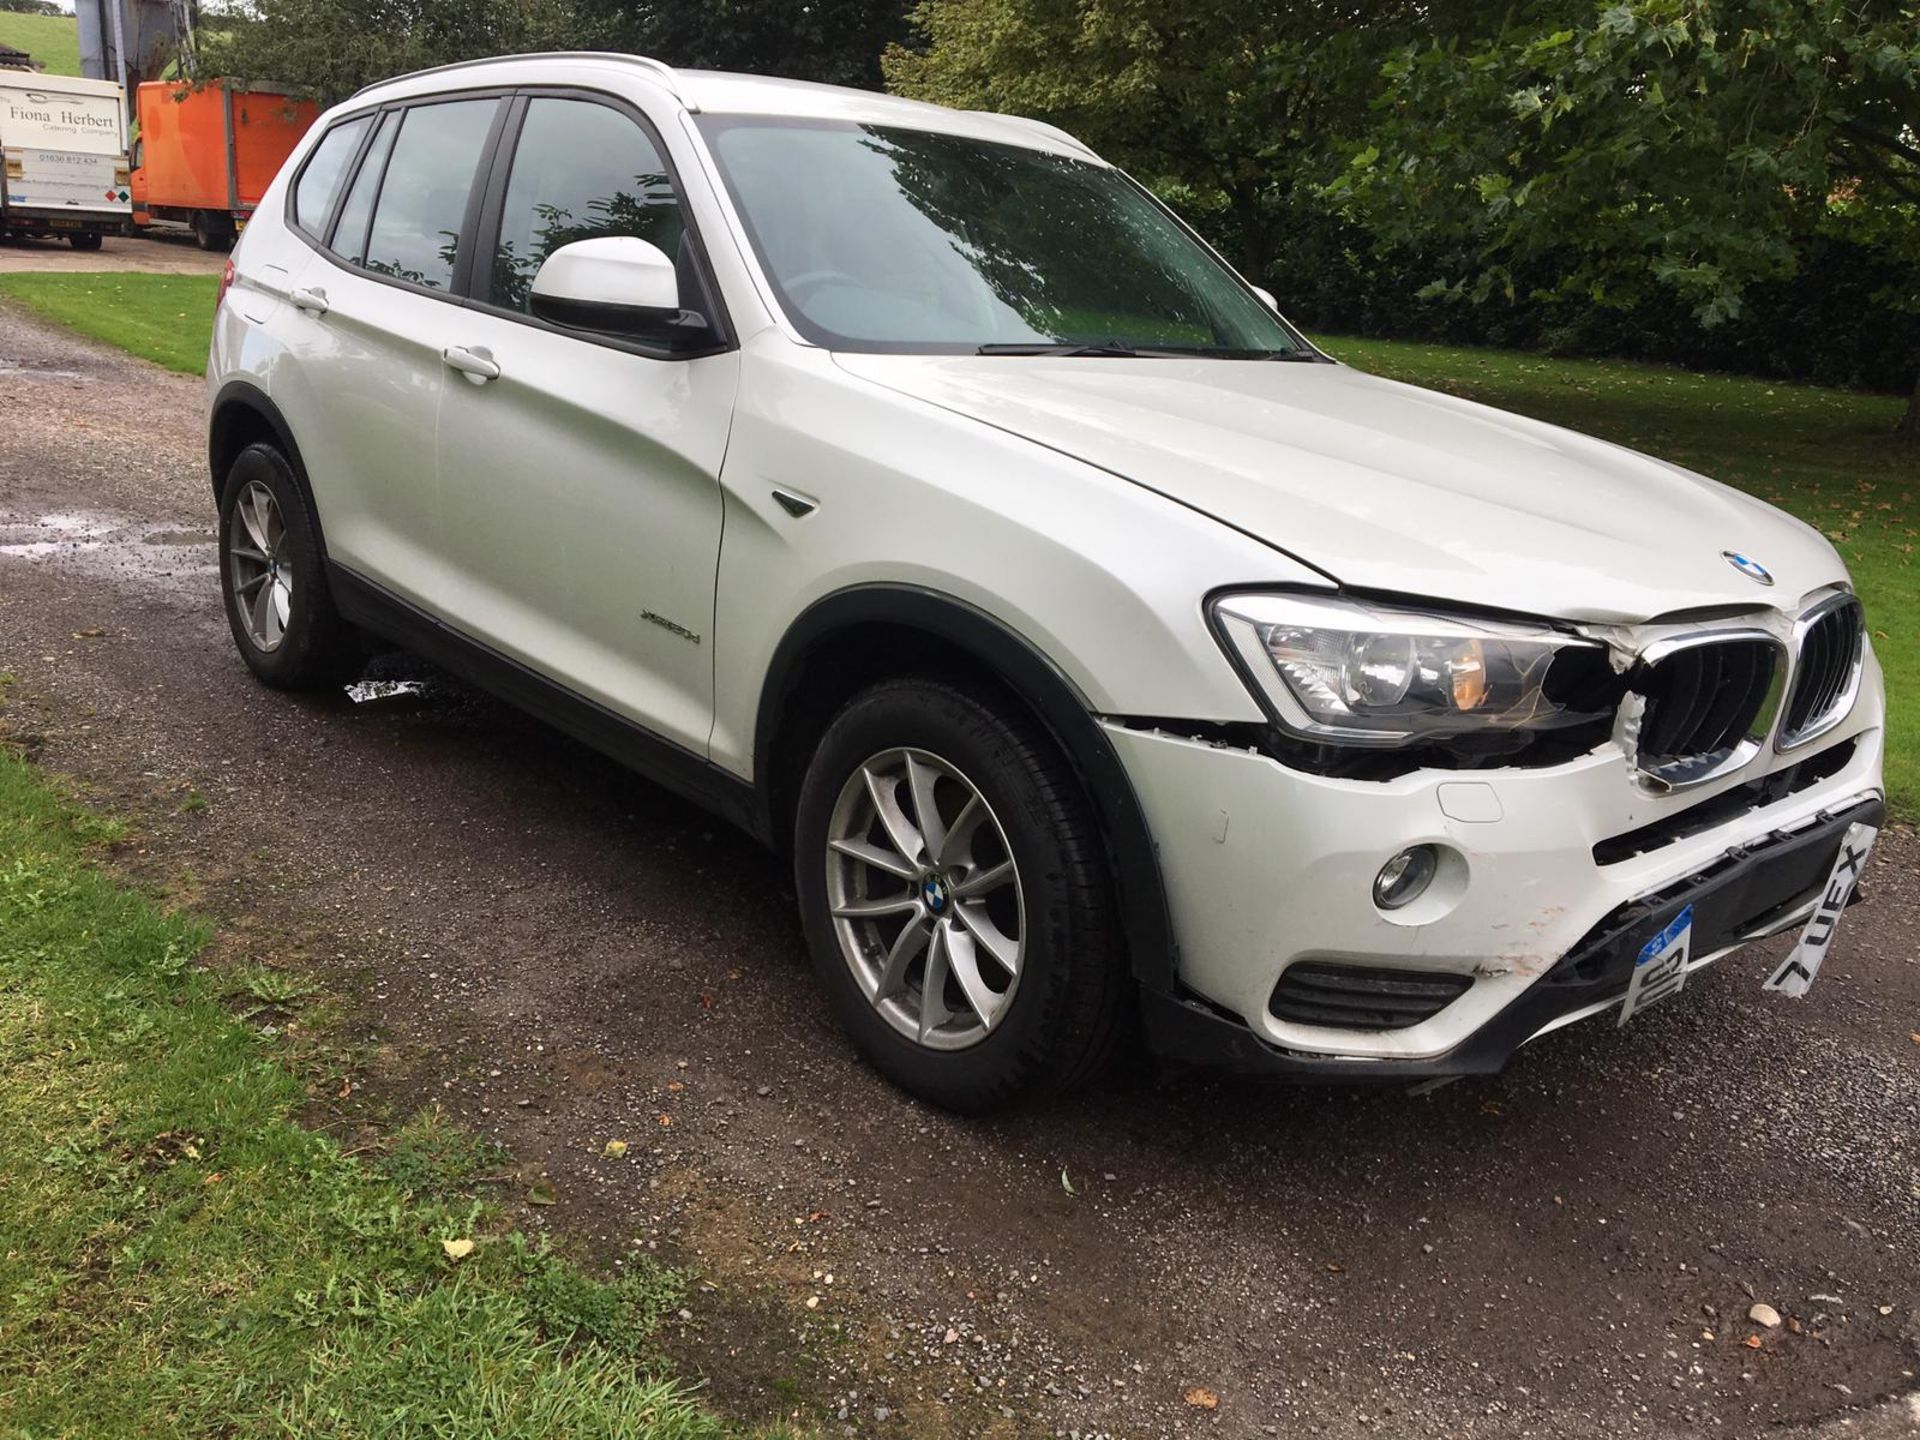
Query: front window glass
(886,239)
(580,170)
(423,198)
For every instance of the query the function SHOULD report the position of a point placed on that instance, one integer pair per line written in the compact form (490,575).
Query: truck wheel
(84,242)
(954,891)
(212,232)
(274,579)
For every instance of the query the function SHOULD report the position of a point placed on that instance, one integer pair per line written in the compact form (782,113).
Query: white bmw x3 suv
(912,488)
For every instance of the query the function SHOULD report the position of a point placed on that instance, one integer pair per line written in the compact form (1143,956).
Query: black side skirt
(372,607)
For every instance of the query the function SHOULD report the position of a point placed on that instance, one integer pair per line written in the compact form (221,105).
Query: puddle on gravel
(28,371)
(52,534)
(104,543)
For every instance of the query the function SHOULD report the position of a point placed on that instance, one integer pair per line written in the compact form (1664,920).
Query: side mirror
(1266,298)
(616,285)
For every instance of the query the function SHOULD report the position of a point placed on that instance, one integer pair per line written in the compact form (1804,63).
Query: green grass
(167,319)
(53,40)
(1826,456)
(179,1256)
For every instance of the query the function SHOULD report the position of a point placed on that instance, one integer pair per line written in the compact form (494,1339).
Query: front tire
(274,582)
(956,900)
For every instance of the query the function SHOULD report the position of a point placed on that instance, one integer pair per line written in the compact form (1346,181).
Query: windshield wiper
(1115,350)
(1043,347)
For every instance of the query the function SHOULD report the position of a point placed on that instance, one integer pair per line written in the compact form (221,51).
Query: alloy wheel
(925,898)
(259,568)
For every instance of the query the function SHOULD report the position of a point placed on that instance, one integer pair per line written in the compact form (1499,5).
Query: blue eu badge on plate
(1661,967)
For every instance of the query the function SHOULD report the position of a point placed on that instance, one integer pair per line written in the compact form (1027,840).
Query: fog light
(1404,878)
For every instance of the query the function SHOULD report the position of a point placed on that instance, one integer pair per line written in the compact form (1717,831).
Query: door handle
(476,364)
(314,302)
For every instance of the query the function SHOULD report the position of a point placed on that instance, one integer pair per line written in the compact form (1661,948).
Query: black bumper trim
(1745,892)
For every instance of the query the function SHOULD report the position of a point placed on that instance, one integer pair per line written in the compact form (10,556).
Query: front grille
(1827,672)
(1728,805)
(1362,997)
(1704,706)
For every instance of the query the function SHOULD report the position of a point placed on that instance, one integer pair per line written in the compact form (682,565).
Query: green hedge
(1824,326)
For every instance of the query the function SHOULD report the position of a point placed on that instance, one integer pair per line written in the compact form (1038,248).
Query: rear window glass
(423,198)
(350,231)
(320,177)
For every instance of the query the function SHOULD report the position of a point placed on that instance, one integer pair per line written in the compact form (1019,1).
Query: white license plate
(1660,969)
(1796,973)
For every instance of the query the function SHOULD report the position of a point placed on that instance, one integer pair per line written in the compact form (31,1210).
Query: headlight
(1355,673)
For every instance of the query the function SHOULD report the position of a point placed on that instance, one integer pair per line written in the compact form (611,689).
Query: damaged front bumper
(1735,902)
(1556,878)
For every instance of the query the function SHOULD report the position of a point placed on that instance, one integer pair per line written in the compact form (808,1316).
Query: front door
(579,474)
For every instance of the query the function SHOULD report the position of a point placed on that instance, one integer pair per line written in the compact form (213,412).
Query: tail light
(226,283)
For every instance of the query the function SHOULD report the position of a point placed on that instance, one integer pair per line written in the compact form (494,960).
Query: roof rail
(658,69)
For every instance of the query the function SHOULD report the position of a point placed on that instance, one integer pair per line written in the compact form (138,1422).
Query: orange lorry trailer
(203,157)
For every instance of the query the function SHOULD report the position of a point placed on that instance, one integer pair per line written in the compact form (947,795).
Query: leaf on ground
(542,1193)
(614,1149)
(1202,1398)
(457,1249)
(1065,1183)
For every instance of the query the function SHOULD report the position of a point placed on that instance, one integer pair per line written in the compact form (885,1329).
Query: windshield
(885,239)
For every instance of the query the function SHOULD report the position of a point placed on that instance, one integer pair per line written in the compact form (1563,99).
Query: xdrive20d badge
(1110,665)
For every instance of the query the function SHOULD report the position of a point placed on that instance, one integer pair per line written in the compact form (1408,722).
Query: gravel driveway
(560,955)
(142,254)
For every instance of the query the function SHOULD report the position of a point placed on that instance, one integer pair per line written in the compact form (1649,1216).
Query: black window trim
(487,233)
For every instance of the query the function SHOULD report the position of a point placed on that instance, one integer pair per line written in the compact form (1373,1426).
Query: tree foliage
(1619,153)
(334,47)
(837,42)
(1687,147)
(1235,103)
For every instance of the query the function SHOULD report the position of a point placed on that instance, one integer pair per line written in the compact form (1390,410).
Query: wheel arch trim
(1041,685)
(243,396)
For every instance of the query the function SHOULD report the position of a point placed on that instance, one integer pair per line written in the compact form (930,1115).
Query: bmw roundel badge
(1752,569)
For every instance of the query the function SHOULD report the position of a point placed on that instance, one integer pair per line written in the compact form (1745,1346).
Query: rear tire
(84,242)
(273,579)
(1026,865)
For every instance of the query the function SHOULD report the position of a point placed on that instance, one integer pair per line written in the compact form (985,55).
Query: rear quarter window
(319,181)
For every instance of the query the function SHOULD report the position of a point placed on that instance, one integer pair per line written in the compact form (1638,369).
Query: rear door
(580,475)
(370,314)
